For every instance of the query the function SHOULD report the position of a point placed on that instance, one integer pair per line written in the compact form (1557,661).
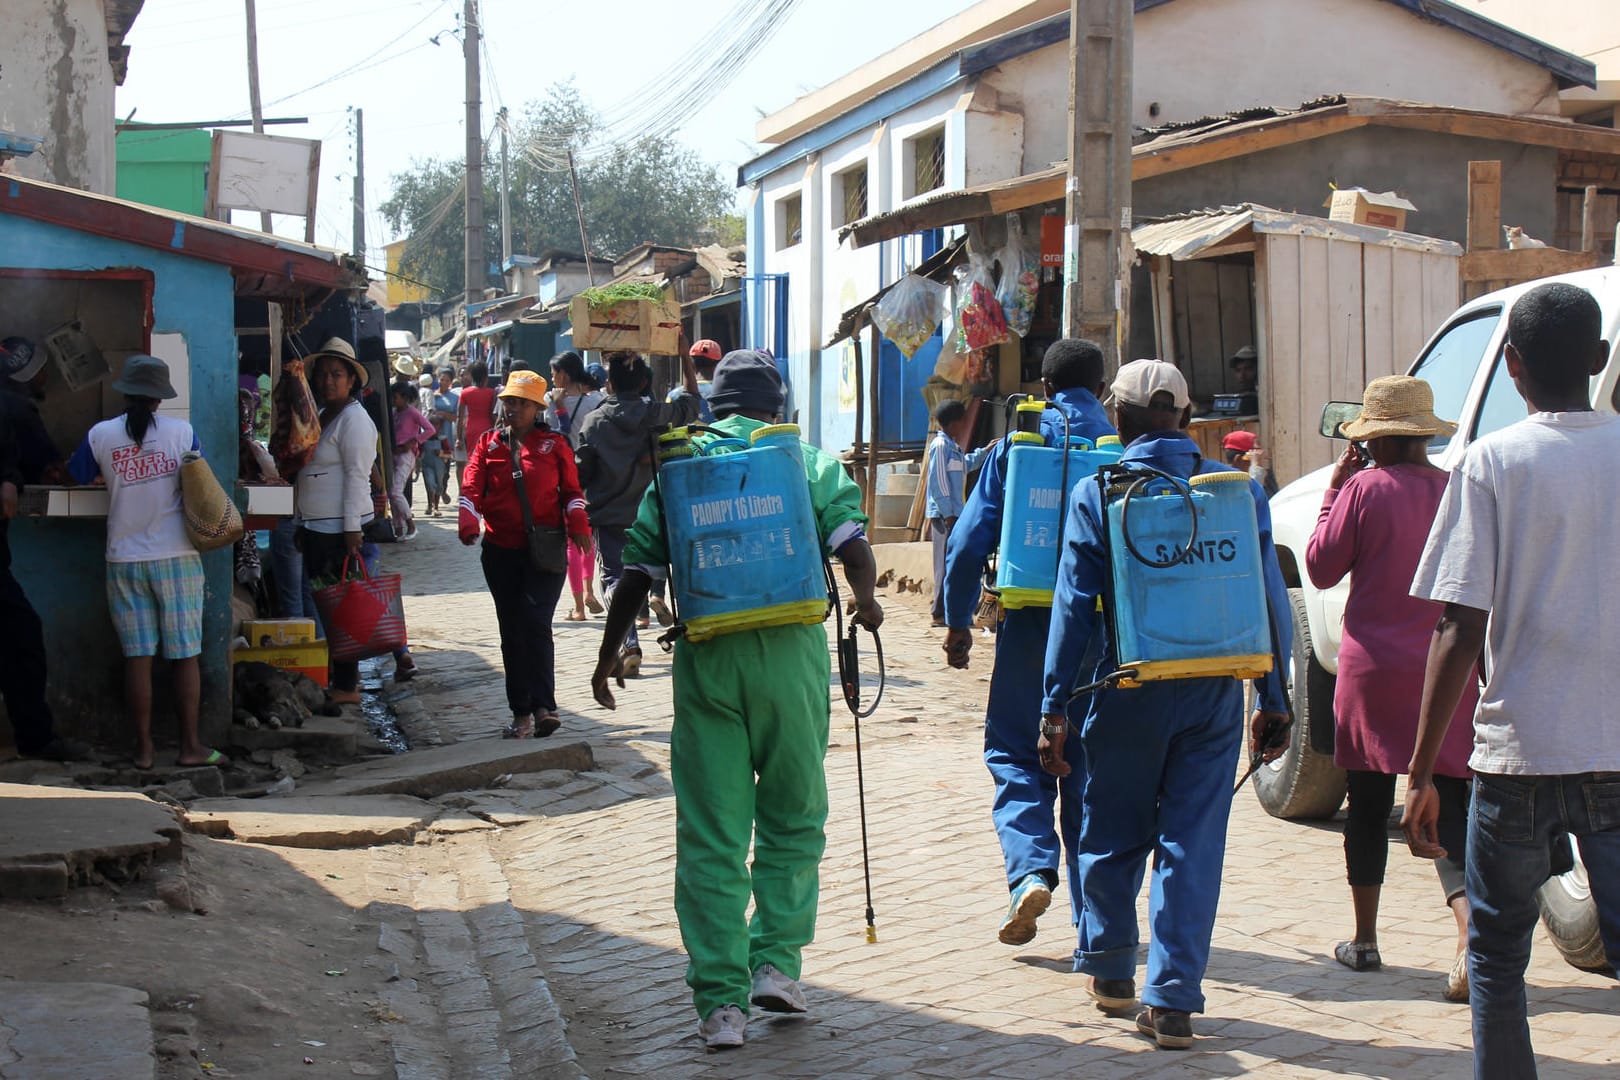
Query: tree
(653,190)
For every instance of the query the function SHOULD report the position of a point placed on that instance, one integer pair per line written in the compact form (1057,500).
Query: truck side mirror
(1335,414)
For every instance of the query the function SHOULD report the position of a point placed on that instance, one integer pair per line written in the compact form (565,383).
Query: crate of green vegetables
(632,317)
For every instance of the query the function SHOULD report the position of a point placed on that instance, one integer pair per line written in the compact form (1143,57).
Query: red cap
(1241,441)
(707,349)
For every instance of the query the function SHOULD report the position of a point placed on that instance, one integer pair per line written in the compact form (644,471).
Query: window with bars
(927,162)
(789,221)
(849,194)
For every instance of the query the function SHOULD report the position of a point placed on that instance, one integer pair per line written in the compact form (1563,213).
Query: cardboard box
(1358,206)
(262,632)
(644,326)
(308,659)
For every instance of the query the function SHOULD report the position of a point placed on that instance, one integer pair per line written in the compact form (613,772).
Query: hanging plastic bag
(1020,279)
(910,312)
(979,319)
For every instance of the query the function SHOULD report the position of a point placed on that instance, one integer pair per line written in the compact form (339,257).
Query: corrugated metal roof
(1189,236)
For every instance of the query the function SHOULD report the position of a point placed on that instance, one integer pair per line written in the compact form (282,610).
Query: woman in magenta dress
(1375,519)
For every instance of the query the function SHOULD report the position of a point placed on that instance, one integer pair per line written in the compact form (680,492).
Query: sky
(188,63)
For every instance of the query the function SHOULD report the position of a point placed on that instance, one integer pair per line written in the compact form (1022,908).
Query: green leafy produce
(605,296)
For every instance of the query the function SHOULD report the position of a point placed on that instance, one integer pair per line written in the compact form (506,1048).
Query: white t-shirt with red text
(145,520)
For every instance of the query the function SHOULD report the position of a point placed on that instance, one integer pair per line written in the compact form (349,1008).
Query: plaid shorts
(161,595)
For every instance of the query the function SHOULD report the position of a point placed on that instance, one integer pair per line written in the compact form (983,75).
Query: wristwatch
(1052,731)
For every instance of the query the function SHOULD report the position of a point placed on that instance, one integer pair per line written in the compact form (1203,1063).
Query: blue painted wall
(60,561)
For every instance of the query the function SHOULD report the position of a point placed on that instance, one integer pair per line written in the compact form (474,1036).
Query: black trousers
(22,661)
(323,558)
(525,602)
(1366,829)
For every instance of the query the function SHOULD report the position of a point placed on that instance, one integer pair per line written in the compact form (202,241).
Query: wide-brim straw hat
(408,366)
(1397,405)
(145,377)
(343,351)
(528,385)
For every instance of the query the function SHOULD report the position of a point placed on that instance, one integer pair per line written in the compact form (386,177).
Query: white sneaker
(724,1028)
(775,992)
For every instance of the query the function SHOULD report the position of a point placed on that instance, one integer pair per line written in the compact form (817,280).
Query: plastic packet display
(1020,279)
(980,322)
(910,312)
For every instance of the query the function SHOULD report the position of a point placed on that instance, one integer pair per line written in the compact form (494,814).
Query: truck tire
(1303,783)
(1570,915)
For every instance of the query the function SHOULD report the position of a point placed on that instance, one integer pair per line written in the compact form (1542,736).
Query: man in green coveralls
(746,750)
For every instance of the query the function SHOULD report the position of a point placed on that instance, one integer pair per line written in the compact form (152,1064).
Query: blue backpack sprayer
(745,554)
(1177,546)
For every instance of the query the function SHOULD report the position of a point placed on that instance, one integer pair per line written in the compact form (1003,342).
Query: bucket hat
(408,366)
(528,385)
(1397,405)
(1139,380)
(341,349)
(145,377)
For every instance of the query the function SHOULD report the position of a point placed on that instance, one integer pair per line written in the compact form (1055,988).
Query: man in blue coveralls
(1159,756)
(1071,378)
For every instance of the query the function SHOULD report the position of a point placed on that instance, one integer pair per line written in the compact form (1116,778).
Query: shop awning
(1232,230)
(956,207)
(490,330)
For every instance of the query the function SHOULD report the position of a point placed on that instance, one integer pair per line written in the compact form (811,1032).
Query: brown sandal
(521,727)
(545,723)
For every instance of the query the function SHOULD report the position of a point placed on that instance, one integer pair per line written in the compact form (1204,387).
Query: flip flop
(574,616)
(214,758)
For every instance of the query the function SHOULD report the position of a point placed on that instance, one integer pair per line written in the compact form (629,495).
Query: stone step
(476,1002)
(54,838)
(64,1031)
(464,766)
(326,737)
(303,821)
(892,511)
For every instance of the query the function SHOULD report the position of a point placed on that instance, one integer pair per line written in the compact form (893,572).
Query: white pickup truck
(1463,363)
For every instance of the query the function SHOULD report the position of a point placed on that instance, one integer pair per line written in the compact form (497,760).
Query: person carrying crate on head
(1160,754)
(1026,795)
(752,696)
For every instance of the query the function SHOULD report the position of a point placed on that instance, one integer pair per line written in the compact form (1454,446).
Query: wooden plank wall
(1334,315)
(1213,316)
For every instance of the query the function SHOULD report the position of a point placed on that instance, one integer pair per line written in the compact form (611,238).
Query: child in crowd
(411,431)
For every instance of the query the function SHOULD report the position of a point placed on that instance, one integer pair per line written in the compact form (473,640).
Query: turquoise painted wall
(60,561)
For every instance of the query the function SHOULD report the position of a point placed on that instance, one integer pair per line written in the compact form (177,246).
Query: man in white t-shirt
(1522,554)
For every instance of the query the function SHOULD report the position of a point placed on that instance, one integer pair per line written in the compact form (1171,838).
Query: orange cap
(708,349)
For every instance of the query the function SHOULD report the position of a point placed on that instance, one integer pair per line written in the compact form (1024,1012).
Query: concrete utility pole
(253,92)
(506,197)
(476,272)
(1098,195)
(360,184)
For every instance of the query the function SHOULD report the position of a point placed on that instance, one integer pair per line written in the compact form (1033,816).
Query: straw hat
(528,385)
(408,366)
(341,349)
(1397,405)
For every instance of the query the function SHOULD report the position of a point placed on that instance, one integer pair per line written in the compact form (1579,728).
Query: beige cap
(1139,380)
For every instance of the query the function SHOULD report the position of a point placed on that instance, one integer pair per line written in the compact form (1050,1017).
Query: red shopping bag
(363,617)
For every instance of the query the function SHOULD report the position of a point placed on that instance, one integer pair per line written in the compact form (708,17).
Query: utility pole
(253,92)
(1097,203)
(506,197)
(476,272)
(360,184)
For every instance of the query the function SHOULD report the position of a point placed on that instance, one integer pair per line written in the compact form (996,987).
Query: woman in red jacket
(525,597)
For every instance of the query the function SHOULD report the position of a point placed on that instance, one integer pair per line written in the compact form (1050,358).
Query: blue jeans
(295,598)
(610,541)
(1512,823)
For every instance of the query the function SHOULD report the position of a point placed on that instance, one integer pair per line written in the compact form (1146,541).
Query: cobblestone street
(577,887)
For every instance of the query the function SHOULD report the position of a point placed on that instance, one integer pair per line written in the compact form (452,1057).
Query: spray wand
(849,678)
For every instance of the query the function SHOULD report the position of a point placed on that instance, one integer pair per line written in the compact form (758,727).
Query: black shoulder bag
(548,544)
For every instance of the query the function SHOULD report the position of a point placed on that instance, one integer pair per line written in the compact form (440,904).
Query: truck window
(1451,362)
(1502,405)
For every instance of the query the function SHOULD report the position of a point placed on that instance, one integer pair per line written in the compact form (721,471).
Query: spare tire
(1304,782)
(1571,917)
